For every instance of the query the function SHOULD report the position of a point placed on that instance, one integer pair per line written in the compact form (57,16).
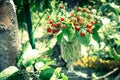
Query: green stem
(29,23)
(114,54)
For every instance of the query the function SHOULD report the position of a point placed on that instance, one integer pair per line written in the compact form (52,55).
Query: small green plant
(70,25)
(72,29)
(30,65)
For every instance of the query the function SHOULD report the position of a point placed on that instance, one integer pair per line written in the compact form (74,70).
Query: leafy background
(104,52)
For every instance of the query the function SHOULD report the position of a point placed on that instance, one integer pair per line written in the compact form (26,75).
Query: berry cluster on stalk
(81,19)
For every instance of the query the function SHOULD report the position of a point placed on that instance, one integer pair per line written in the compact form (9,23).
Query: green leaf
(39,65)
(96,37)
(103,1)
(45,67)
(97,27)
(85,40)
(64,77)
(59,38)
(26,46)
(117,42)
(5,74)
(68,33)
(56,74)
(29,57)
(115,8)
(104,8)
(95,34)
(19,76)
(114,54)
(46,74)
(66,37)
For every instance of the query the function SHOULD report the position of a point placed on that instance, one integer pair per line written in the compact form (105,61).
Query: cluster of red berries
(54,27)
(81,19)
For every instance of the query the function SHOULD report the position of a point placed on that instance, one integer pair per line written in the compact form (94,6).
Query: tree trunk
(9,37)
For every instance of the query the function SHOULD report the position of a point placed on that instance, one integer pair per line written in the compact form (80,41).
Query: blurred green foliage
(106,9)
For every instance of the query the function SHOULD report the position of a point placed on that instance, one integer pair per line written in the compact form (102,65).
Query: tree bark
(10,44)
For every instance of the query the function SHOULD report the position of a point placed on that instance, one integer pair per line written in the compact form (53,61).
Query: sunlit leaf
(39,65)
(103,1)
(56,74)
(8,72)
(64,77)
(29,56)
(85,40)
(68,33)
(115,8)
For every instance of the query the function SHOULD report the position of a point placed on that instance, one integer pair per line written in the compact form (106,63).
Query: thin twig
(108,74)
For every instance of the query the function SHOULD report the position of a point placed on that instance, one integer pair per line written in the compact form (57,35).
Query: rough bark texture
(9,39)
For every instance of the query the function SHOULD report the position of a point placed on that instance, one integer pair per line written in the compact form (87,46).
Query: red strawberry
(63,26)
(92,22)
(53,31)
(57,30)
(61,6)
(75,23)
(49,30)
(70,21)
(89,30)
(82,34)
(50,21)
(72,14)
(58,24)
(62,19)
(78,9)
(48,17)
(78,18)
(88,25)
(84,10)
(77,28)
(53,25)
(82,21)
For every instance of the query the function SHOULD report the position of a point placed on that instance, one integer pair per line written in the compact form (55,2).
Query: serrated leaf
(85,40)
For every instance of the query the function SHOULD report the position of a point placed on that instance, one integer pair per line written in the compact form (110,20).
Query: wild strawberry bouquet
(69,25)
